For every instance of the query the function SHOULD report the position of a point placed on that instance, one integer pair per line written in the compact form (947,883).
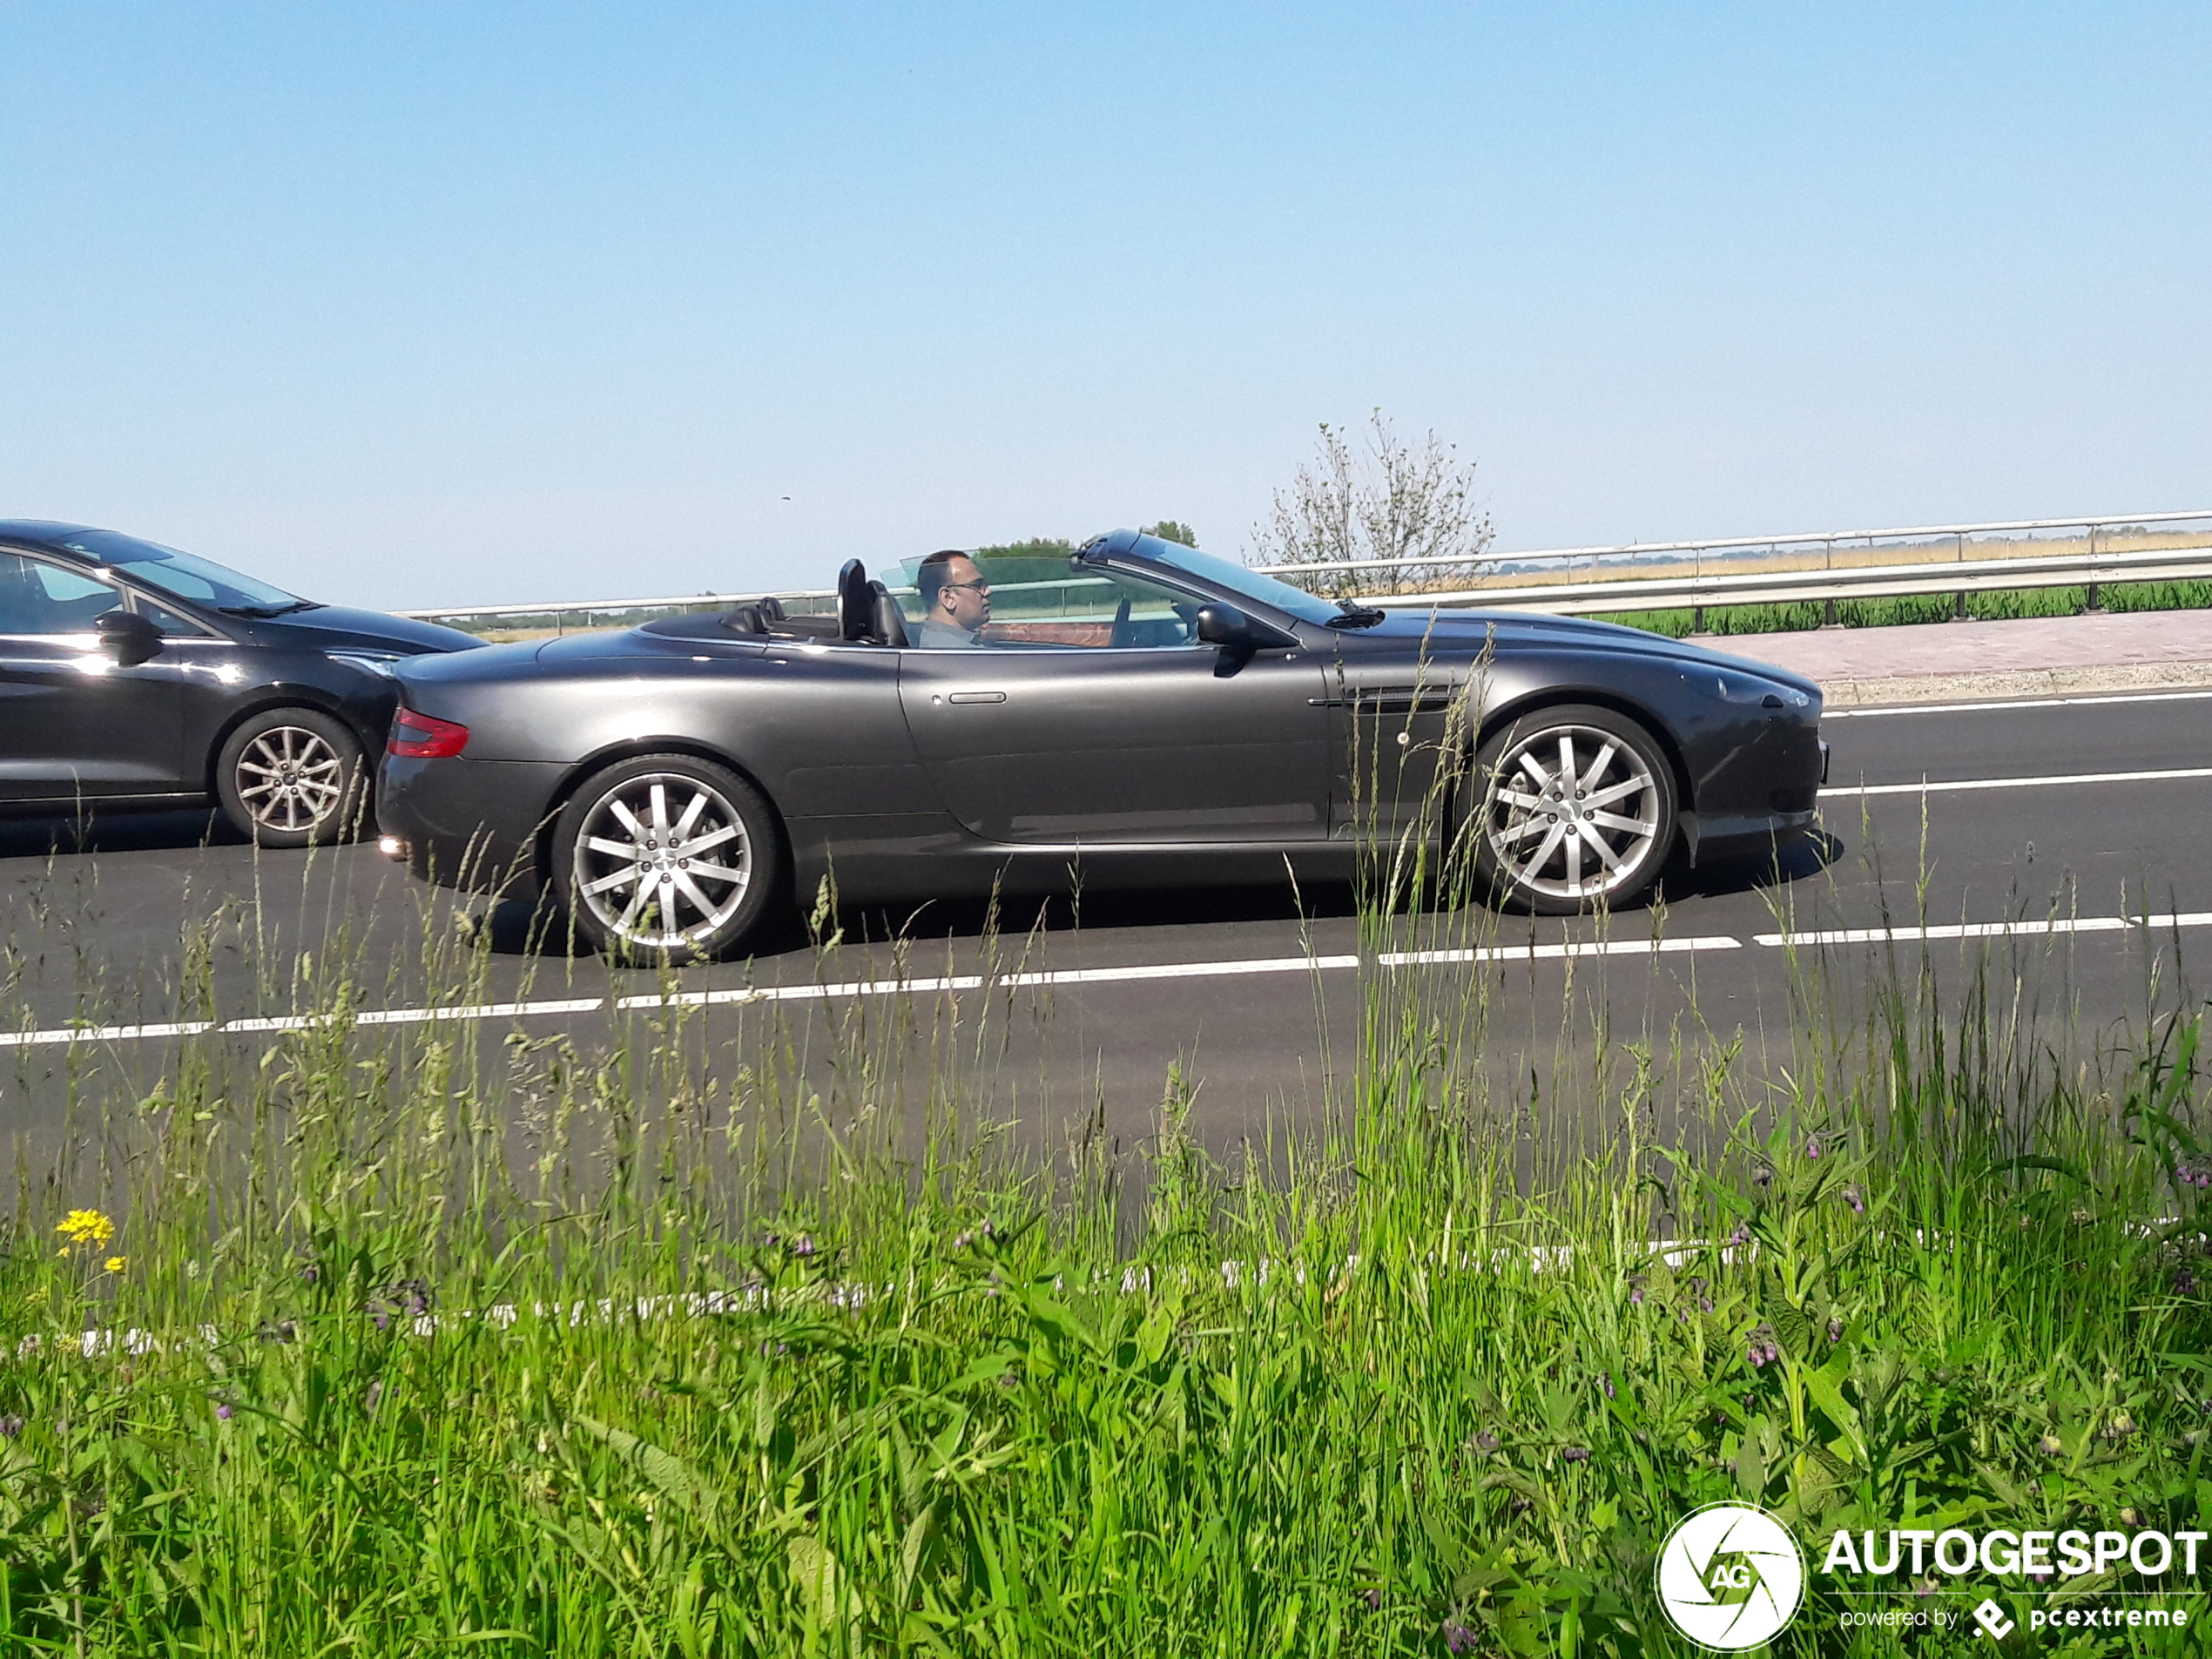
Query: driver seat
(887,622)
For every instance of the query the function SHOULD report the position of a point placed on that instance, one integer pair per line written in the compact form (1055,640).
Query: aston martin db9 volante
(132,675)
(1141,713)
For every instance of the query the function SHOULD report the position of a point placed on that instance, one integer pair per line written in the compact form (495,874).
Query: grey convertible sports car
(1140,714)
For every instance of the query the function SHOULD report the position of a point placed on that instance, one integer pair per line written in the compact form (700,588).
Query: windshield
(201,581)
(1260,590)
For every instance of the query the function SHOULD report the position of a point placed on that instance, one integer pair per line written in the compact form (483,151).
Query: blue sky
(414,304)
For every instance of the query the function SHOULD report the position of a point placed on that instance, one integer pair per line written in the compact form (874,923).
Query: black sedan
(132,675)
(1140,714)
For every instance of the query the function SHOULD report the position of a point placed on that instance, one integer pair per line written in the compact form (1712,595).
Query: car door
(74,722)
(1088,714)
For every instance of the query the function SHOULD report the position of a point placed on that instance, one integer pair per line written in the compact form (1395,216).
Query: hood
(1467,629)
(336,627)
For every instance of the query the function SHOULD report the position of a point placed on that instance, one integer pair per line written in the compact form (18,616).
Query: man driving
(956,601)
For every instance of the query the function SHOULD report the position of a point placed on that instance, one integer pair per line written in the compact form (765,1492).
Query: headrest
(855,606)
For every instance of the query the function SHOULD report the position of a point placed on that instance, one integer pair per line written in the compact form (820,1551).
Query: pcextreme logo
(1731,1576)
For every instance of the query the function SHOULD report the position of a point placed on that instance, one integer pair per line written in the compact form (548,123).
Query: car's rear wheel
(1576,810)
(292,777)
(667,858)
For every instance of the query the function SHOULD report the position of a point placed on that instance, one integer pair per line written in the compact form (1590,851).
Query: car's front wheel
(1576,809)
(666,857)
(292,777)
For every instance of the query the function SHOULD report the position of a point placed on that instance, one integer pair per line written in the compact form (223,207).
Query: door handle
(979,697)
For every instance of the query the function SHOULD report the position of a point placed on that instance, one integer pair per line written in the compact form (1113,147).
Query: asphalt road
(2031,834)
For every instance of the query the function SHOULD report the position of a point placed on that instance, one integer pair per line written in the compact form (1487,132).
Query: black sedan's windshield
(184,576)
(1238,579)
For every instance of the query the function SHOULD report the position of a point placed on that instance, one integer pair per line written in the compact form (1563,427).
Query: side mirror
(1230,629)
(129,637)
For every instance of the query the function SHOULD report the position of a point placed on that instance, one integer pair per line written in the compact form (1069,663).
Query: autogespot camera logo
(1731,1576)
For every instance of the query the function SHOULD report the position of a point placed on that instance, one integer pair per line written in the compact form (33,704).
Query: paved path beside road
(2047,656)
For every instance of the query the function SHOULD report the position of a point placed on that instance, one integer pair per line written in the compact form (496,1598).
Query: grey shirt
(943,634)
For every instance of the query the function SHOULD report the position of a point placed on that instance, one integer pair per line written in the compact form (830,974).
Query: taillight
(424,737)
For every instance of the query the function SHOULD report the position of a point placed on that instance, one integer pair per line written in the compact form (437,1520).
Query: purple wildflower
(989,1231)
(1458,1637)
(1812,1146)
(773,1240)
(961,1241)
(1575,1455)
(223,1411)
(1486,1442)
(1605,1382)
(2184,1283)
(383,1319)
(376,1393)
(1373,1599)
(1836,1329)
(1741,1236)
(10,1426)
(1762,1176)
(310,1273)
(1856,1199)
(1636,1291)
(802,1247)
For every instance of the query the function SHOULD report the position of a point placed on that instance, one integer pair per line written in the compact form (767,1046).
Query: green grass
(2002,606)
(707,1364)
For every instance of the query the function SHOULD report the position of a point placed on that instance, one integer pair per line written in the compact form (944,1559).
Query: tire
(616,862)
(1537,842)
(293,778)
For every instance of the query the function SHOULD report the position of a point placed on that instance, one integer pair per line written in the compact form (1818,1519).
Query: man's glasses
(979,585)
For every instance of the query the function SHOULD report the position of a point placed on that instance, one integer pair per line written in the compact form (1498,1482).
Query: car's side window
(1098,609)
(167,620)
(37,597)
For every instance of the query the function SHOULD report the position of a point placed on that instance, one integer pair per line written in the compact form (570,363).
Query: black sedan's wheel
(292,777)
(1577,809)
(667,857)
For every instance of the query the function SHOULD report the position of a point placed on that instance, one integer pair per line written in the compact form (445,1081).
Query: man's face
(965,600)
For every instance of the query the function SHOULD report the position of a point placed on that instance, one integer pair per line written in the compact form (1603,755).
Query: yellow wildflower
(117,1264)
(87,1227)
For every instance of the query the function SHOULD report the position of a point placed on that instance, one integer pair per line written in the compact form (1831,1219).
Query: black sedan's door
(1064,732)
(75,723)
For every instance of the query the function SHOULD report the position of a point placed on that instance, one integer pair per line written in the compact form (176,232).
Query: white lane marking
(2000,707)
(941,983)
(972,981)
(480,1011)
(1949,930)
(416,1016)
(1555,952)
(103,1033)
(2163,775)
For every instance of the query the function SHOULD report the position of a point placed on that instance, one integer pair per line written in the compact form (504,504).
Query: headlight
(369,662)
(1750,689)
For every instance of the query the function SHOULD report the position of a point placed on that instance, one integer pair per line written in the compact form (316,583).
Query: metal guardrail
(1822,565)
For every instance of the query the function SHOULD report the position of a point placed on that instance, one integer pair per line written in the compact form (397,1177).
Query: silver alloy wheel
(664,861)
(1573,814)
(290,778)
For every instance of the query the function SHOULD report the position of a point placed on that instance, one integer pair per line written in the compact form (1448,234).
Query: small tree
(1392,501)
(1169,530)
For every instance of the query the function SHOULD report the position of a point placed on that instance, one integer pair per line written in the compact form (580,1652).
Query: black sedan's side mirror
(130,638)
(1230,629)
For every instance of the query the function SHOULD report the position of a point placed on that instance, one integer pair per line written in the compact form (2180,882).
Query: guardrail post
(1958,605)
(2094,596)
(1830,621)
